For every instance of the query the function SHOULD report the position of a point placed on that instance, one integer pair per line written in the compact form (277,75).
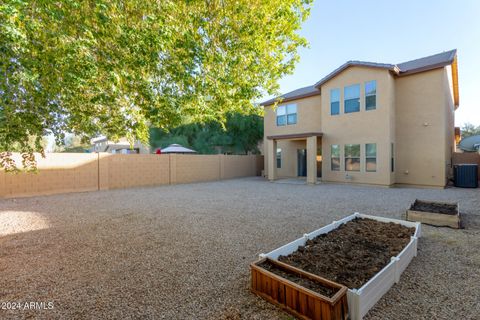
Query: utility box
(466,175)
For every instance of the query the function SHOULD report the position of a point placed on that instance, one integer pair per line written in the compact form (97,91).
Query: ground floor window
(371,157)
(335,157)
(352,157)
(279,157)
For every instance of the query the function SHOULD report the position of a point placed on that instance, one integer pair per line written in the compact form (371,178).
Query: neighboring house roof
(435,61)
(176,148)
(471,144)
(98,139)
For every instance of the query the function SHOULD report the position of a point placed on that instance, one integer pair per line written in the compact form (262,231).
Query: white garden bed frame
(360,301)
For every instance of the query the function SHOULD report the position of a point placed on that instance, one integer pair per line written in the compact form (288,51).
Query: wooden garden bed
(300,293)
(440,214)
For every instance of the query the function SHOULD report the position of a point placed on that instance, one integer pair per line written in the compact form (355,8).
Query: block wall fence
(79,172)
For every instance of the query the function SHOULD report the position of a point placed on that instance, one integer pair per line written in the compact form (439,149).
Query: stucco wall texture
(79,172)
(415,113)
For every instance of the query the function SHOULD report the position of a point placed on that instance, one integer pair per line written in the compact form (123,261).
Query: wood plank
(326,311)
(274,288)
(261,283)
(268,286)
(337,311)
(435,219)
(345,307)
(302,303)
(318,310)
(288,297)
(311,307)
(281,293)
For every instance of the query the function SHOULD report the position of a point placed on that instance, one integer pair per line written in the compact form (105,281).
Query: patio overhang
(311,161)
(295,136)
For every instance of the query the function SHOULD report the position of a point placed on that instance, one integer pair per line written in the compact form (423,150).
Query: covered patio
(311,142)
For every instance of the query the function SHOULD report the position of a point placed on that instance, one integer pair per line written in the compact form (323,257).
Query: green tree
(469,129)
(240,134)
(117,67)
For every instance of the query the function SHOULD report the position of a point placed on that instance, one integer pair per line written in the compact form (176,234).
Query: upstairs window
(334,101)
(291,114)
(352,98)
(281,115)
(352,157)
(335,157)
(287,115)
(371,157)
(371,95)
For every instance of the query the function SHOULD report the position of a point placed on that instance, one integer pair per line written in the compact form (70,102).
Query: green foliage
(241,134)
(72,144)
(469,130)
(117,67)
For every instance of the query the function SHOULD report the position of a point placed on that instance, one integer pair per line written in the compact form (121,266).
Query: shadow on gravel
(470,221)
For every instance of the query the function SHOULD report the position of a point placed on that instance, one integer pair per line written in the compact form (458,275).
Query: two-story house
(366,122)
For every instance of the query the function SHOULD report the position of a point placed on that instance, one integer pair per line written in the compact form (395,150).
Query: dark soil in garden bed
(443,208)
(298,279)
(353,253)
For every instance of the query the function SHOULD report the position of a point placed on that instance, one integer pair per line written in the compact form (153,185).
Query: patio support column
(272,159)
(312,159)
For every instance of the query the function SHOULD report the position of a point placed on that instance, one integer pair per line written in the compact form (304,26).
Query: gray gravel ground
(182,252)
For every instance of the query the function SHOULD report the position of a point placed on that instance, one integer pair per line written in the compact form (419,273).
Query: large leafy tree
(469,130)
(117,67)
(239,134)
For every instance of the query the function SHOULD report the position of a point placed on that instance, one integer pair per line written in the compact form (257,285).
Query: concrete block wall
(57,173)
(78,172)
(134,170)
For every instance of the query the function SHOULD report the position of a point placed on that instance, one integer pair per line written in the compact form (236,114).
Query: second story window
(371,95)
(334,101)
(287,115)
(281,115)
(352,98)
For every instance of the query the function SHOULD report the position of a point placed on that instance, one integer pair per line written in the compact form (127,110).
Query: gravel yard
(182,251)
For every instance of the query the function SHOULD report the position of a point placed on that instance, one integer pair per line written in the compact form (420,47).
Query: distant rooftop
(435,61)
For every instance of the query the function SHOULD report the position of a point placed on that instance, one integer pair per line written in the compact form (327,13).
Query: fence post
(173,168)
(222,166)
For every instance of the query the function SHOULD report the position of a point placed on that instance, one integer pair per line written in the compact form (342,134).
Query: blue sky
(392,32)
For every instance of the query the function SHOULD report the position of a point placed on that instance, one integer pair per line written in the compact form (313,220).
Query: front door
(302,162)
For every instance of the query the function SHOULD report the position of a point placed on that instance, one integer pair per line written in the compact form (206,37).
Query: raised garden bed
(367,255)
(440,214)
(304,295)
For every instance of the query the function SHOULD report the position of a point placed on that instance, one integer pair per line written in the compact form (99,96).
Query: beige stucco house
(372,123)
(122,146)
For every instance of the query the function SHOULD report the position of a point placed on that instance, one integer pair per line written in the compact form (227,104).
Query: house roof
(295,94)
(353,63)
(427,63)
(435,61)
